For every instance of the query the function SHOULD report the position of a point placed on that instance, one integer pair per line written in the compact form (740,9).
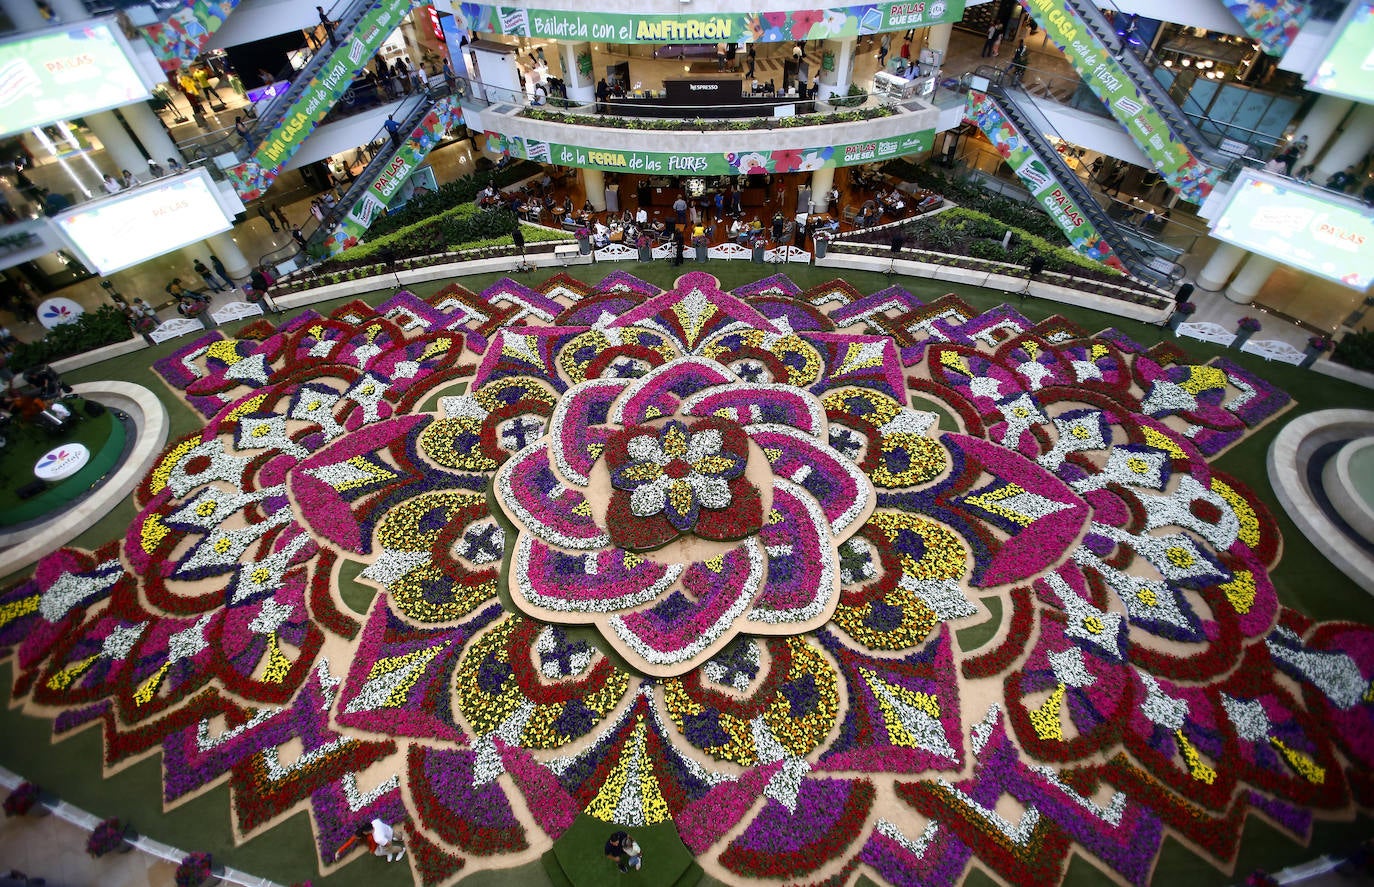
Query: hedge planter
(1242,336)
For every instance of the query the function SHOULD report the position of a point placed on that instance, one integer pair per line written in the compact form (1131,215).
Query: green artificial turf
(1304,580)
(102,435)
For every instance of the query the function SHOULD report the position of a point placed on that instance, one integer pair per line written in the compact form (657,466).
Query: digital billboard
(1299,226)
(136,225)
(1346,67)
(61,74)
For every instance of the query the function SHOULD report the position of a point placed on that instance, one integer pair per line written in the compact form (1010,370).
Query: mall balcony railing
(1133,249)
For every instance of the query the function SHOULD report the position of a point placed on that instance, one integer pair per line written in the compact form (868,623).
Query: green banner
(744,162)
(1110,82)
(384,186)
(1348,65)
(983,111)
(709,27)
(254,176)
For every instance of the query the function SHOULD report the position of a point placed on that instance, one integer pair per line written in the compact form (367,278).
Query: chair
(849,214)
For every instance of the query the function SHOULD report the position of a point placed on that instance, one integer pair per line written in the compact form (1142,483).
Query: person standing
(678,240)
(997,43)
(883,49)
(221,270)
(450,76)
(625,851)
(281,216)
(993,31)
(1018,61)
(751,55)
(393,129)
(208,276)
(328,25)
(244,130)
(603,93)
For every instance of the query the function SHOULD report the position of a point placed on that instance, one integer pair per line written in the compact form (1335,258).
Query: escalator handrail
(1019,103)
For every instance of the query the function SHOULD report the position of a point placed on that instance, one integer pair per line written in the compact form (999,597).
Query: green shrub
(1356,351)
(94,329)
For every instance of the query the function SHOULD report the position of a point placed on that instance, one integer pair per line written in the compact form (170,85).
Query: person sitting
(601,235)
(189,307)
(736,229)
(587,207)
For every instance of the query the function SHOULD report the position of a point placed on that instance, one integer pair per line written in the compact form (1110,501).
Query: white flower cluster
(548,640)
(1019,834)
(356,799)
(1021,412)
(1249,718)
(188,642)
(315,403)
(917,847)
(982,731)
(1075,435)
(633,597)
(1086,622)
(1176,510)
(1335,674)
(1159,707)
(1110,814)
(1135,466)
(70,590)
(944,596)
(1070,670)
(1168,397)
(718,673)
(223,467)
(1147,599)
(222,547)
(266,433)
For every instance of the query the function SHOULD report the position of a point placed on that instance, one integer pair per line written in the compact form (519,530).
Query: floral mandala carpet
(699,557)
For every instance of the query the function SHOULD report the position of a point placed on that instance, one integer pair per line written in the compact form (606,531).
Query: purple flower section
(778,282)
(1003,317)
(551,806)
(894,300)
(1122,341)
(406,302)
(941,865)
(335,819)
(705,820)
(820,804)
(449,779)
(1298,820)
(173,367)
(507,290)
(73,718)
(187,767)
(619,281)
(585,314)
(499,362)
(886,376)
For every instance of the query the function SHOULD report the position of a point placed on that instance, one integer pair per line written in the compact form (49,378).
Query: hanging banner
(1273,23)
(983,111)
(1109,81)
(743,162)
(254,176)
(778,26)
(179,38)
(387,183)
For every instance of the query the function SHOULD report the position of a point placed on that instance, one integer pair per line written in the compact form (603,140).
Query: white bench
(1207,332)
(236,311)
(1273,349)
(175,328)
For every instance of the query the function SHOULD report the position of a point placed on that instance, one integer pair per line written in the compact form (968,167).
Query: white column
(581,88)
(151,132)
(120,150)
(594,181)
(1350,146)
(1321,121)
(1251,279)
(937,39)
(822,180)
(836,82)
(224,246)
(1220,266)
(24,14)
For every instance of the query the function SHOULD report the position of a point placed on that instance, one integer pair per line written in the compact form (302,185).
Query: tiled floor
(55,850)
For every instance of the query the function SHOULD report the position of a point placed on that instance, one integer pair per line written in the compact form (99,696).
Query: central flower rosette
(679,478)
(679,509)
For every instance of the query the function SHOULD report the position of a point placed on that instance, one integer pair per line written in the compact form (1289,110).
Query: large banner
(1300,226)
(383,188)
(1111,83)
(1274,23)
(708,164)
(983,111)
(710,27)
(63,74)
(180,37)
(252,177)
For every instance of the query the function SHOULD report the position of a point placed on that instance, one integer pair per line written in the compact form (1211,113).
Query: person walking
(207,89)
(271,222)
(281,216)
(208,276)
(883,49)
(328,26)
(297,236)
(380,839)
(245,131)
(1018,61)
(450,76)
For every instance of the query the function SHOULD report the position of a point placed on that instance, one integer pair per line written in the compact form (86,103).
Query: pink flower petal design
(587,582)
(531,493)
(837,484)
(577,432)
(660,393)
(802,587)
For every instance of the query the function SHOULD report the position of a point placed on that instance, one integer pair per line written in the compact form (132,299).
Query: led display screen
(1299,226)
(1347,69)
(63,74)
(147,221)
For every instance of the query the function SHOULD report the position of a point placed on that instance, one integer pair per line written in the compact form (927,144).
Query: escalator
(1113,67)
(283,126)
(1022,133)
(424,118)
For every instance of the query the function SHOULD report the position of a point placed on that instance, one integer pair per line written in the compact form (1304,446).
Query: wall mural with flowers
(698,557)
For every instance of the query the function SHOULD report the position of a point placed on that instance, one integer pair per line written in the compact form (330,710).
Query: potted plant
(645,247)
(757,249)
(197,870)
(1316,347)
(1245,328)
(702,246)
(1182,312)
(27,799)
(584,240)
(110,836)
